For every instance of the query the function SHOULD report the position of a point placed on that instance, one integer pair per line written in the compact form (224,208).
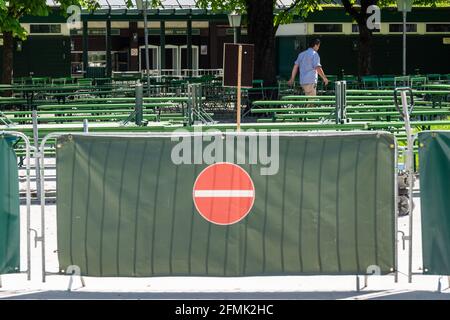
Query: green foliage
(302,7)
(354,9)
(393,3)
(421,3)
(298,8)
(281,15)
(432,3)
(12,10)
(150,3)
(154,4)
(220,5)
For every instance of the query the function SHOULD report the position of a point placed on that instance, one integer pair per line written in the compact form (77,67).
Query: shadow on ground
(377,295)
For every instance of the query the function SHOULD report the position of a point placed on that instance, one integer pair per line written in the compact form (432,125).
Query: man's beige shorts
(309,89)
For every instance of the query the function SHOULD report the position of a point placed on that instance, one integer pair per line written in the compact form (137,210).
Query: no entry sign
(224,193)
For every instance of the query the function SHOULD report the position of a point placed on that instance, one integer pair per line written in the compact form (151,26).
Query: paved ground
(387,295)
(298,287)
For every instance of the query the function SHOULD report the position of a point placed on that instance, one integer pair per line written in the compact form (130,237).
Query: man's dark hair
(313,42)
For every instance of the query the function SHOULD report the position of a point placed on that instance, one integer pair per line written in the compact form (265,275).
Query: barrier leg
(366,280)
(439,285)
(74,271)
(83,284)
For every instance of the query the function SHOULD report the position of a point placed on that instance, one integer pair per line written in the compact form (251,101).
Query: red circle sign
(223,193)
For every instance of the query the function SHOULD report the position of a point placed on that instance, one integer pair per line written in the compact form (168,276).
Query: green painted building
(113,40)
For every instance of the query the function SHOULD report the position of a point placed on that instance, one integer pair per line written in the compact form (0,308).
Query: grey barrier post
(396,213)
(194,103)
(85,126)
(338,95)
(195,108)
(341,101)
(190,104)
(138,108)
(198,98)
(36,153)
(343,114)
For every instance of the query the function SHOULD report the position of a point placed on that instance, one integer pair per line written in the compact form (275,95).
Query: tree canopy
(12,10)
(263,19)
(357,9)
(281,15)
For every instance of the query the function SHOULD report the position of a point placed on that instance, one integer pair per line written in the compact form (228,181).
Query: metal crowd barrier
(28,229)
(288,140)
(405,110)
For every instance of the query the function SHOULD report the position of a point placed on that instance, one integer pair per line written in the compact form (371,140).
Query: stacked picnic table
(28,96)
(365,110)
(109,108)
(67,107)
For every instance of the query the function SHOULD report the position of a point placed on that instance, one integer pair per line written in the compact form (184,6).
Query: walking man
(308,62)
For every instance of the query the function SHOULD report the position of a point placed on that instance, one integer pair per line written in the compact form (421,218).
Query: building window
(120,61)
(230,31)
(45,28)
(438,27)
(95,32)
(355,29)
(96,59)
(330,27)
(398,27)
(76,63)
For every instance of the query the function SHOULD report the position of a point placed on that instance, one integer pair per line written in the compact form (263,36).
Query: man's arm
(293,74)
(322,75)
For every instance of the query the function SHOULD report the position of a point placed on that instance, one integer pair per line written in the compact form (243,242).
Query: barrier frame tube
(396,208)
(165,134)
(410,170)
(41,158)
(27,193)
(411,205)
(409,163)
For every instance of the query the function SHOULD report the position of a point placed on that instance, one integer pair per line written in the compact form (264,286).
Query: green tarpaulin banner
(126,206)
(9,207)
(434,161)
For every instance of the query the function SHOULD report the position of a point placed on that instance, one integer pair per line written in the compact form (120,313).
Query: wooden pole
(238,102)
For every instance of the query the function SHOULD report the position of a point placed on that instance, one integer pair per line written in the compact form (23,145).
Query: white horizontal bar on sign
(224,193)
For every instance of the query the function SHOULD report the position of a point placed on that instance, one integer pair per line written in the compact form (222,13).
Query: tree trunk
(261,33)
(8,51)
(365,35)
(365,50)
